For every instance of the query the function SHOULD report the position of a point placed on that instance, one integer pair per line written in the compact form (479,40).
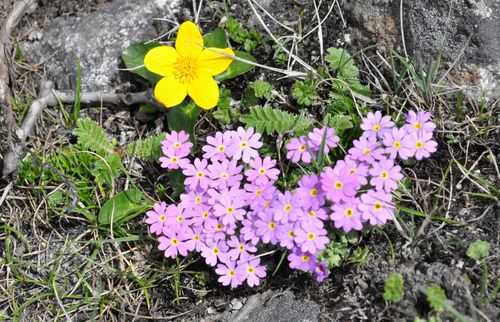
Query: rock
(96,39)
(277,307)
(465,31)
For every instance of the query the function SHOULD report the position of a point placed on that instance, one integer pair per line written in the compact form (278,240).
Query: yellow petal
(170,92)
(204,91)
(215,60)
(189,41)
(161,60)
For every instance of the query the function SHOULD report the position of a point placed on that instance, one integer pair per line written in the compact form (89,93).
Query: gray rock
(466,31)
(96,39)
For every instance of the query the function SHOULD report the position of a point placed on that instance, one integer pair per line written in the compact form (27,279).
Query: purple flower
(419,122)
(214,229)
(230,208)
(239,248)
(314,217)
(338,184)
(193,199)
(213,251)
(248,230)
(228,275)
(251,270)
(356,168)
(267,227)
(376,207)
(176,143)
(285,207)
(316,137)
(224,174)
(194,239)
(310,193)
(173,244)
(219,147)
(259,197)
(375,125)
(320,271)
(421,145)
(262,172)
(301,261)
(196,175)
(286,235)
(298,149)
(201,215)
(174,162)
(311,238)
(366,149)
(157,218)
(177,219)
(245,144)
(393,144)
(385,175)
(346,215)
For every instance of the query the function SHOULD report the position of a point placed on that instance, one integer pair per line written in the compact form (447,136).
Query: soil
(353,292)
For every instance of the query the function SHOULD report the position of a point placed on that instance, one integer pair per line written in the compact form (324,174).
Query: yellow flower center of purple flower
(311,213)
(162,218)
(377,206)
(367,151)
(196,237)
(179,218)
(224,175)
(419,144)
(174,159)
(174,241)
(349,212)
(200,174)
(417,125)
(204,214)
(186,69)
(313,192)
(242,247)
(197,200)
(231,273)
(303,147)
(259,192)
(376,127)
(311,236)
(272,225)
(243,145)
(396,144)
(338,185)
(287,208)
(219,227)
(262,171)
(221,148)
(215,250)
(384,175)
(229,210)
(305,258)
(250,269)
(291,234)
(177,145)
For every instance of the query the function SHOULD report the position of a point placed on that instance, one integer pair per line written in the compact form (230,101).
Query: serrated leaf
(478,250)
(107,169)
(341,123)
(436,297)
(183,117)
(394,288)
(148,149)
(216,38)
(237,67)
(269,120)
(91,136)
(342,63)
(133,57)
(123,207)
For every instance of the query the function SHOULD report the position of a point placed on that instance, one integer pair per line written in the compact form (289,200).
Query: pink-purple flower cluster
(231,206)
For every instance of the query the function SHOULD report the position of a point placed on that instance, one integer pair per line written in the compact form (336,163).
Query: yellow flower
(188,69)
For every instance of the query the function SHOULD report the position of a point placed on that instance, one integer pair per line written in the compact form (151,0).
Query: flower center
(396,144)
(204,214)
(197,200)
(162,218)
(384,175)
(349,212)
(266,204)
(287,208)
(242,247)
(221,148)
(229,210)
(259,192)
(377,206)
(272,225)
(311,236)
(224,175)
(179,218)
(367,151)
(196,237)
(174,241)
(338,185)
(313,192)
(186,69)
(305,258)
(419,144)
(303,148)
(174,159)
(250,269)
(417,125)
(177,145)
(262,171)
(291,234)
(231,273)
(243,145)
(376,127)
(215,250)
(219,226)
(312,213)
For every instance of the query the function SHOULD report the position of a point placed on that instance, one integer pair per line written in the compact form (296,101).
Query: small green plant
(304,92)
(148,149)
(270,120)
(436,297)
(262,89)
(478,250)
(250,39)
(394,288)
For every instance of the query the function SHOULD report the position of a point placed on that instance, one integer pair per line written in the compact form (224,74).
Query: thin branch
(50,97)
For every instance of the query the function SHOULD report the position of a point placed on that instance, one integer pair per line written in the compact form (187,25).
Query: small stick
(50,97)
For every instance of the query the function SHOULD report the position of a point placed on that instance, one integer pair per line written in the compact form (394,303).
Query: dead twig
(18,11)
(50,97)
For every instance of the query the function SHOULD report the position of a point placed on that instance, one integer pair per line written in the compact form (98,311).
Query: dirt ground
(54,251)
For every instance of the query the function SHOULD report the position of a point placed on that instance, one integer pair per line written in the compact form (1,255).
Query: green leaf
(215,38)
(123,207)
(394,288)
(148,149)
(225,113)
(133,57)
(340,123)
(183,117)
(108,169)
(176,181)
(478,250)
(343,64)
(237,67)
(262,89)
(269,120)
(304,92)
(436,297)
(91,136)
